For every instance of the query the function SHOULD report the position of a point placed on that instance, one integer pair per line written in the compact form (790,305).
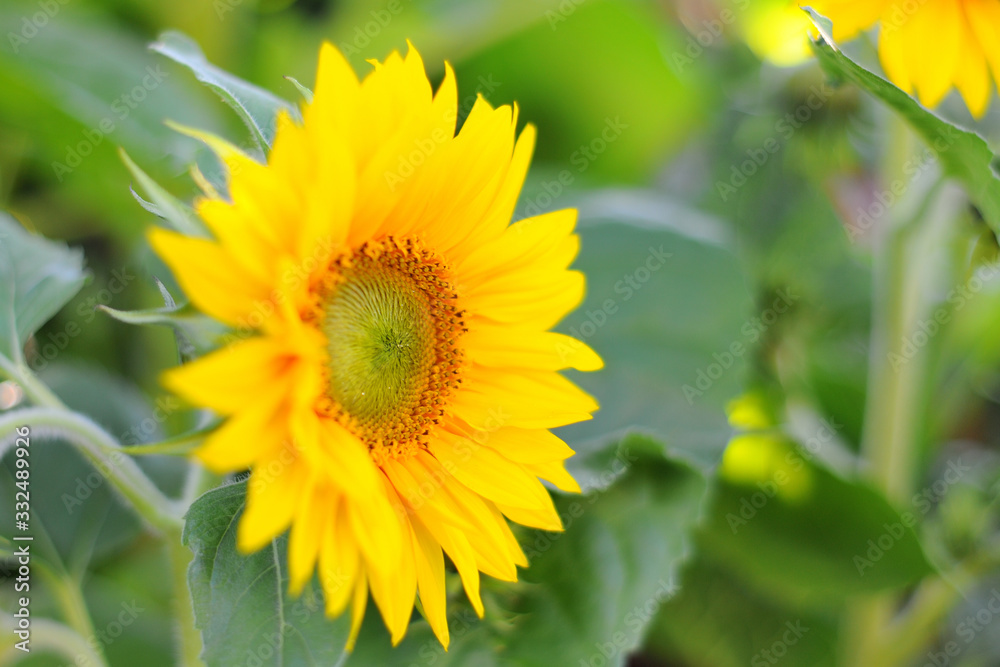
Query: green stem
(907,635)
(71,602)
(182,445)
(887,442)
(189,637)
(104,453)
(111,459)
(35,390)
(898,380)
(52,636)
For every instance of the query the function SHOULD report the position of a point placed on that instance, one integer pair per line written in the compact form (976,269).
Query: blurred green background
(672,131)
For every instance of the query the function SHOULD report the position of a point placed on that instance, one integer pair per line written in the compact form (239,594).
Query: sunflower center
(389,316)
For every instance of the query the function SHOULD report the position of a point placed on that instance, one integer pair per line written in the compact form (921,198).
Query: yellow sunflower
(928,46)
(391,379)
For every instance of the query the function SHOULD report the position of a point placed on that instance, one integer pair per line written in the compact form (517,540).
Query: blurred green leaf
(37,278)
(257,107)
(196,333)
(306,93)
(241,602)
(596,587)
(85,517)
(666,307)
(171,210)
(963,155)
(796,530)
(93,86)
(718,620)
(594,77)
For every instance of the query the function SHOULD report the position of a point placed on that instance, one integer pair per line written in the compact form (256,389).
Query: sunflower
(928,46)
(391,377)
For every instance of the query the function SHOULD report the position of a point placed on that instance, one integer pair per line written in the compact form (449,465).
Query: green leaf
(258,108)
(196,333)
(796,530)
(964,155)
(666,304)
(37,278)
(306,93)
(716,619)
(87,519)
(175,213)
(241,602)
(596,587)
(607,70)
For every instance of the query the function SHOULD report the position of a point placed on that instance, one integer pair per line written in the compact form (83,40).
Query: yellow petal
(488,473)
(984,19)
(334,110)
(545,519)
(849,17)
(485,535)
(395,587)
(931,68)
(538,299)
(491,344)
(431,581)
(216,283)
(893,59)
(513,548)
(463,556)
(526,445)
(556,473)
(304,543)
(231,378)
(527,399)
(502,209)
(972,77)
(542,241)
(273,495)
(246,436)
(357,611)
(339,560)
(378,527)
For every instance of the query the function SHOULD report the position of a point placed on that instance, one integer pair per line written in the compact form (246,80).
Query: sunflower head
(391,379)
(392,326)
